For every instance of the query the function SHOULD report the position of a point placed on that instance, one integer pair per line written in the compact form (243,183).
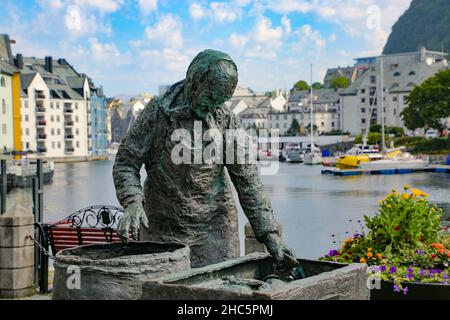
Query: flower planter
(416,291)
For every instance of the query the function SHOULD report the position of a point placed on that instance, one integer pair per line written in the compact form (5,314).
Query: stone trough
(115,271)
(250,278)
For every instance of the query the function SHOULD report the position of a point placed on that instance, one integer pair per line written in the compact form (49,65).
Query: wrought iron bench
(91,225)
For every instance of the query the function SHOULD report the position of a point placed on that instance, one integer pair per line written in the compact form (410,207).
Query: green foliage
(372,137)
(336,133)
(405,242)
(425,23)
(301,85)
(340,82)
(397,131)
(308,128)
(438,145)
(429,103)
(317,86)
(295,128)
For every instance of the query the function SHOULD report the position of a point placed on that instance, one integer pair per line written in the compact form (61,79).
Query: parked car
(432,134)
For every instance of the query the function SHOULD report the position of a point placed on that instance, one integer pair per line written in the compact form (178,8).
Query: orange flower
(406,196)
(448,254)
(362,260)
(441,251)
(379,256)
(437,246)
(370,254)
(348,240)
(419,193)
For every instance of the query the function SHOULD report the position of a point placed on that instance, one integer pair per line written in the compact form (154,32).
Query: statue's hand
(285,261)
(131,220)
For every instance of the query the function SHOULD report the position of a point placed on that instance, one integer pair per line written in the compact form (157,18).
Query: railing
(41,149)
(69,150)
(42,123)
(39,96)
(69,136)
(40,110)
(68,110)
(42,136)
(68,123)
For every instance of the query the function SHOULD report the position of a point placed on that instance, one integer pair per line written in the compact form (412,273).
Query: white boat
(398,160)
(313,155)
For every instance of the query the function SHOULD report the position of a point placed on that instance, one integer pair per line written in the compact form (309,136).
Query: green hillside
(425,23)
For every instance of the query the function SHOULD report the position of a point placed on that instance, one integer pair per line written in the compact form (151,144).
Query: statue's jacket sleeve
(252,196)
(133,153)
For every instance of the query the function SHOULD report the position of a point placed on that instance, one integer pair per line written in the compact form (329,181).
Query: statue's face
(216,87)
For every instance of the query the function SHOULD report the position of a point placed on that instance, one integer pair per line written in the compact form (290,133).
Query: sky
(133,46)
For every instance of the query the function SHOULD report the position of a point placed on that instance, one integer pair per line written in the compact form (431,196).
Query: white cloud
(105,6)
(263,41)
(333,37)
(166,59)
(197,11)
(222,12)
(166,31)
(308,37)
(286,24)
(289,6)
(107,53)
(225,12)
(52,4)
(148,6)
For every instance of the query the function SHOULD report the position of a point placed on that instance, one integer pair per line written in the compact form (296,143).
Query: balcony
(89,136)
(68,123)
(39,95)
(41,149)
(69,136)
(69,149)
(41,123)
(42,136)
(40,110)
(68,110)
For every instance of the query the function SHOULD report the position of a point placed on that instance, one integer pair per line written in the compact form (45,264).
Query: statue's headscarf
(210,81)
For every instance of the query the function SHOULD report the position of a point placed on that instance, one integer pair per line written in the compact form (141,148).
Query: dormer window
(397,74)
(395,86)
(412,73)
(411,84)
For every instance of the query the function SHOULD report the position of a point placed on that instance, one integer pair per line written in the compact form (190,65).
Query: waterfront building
(123,115)
(402,72)
(326,118)
(100,121)
(10,126)
(351,73)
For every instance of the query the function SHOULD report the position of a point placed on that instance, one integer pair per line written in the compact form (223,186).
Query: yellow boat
(358,155)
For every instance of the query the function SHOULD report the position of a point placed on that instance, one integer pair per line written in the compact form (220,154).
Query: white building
(326,115)
(6,107)
(402,72)
(56,113)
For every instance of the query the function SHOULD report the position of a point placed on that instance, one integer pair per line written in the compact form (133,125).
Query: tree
(340,82)
(429,103)
(301,85)
(308,128)
(295,128)
(317,86)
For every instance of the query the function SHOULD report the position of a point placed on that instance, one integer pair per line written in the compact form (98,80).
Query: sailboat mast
(383,136)
(312,114)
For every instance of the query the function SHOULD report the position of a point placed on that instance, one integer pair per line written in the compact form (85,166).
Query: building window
(373,79)
(4,128)
(26,118)
(322,124)
(51,105)
(363,100)
(57,118)
(332,124)
(76,106)
(28,145)
(76,118)
(53,144)
(363,91)
(58,132)
(395,112)
(52,118)
(57,105)
(277,117)
(397,74)
(77,131)
(285,117)
(3,82)
(26,104)
(363,110)
(394,99)
(3,106)
(27,132)
(412,73)
(78,144)
(277,126)
(52,132)
(363,121)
